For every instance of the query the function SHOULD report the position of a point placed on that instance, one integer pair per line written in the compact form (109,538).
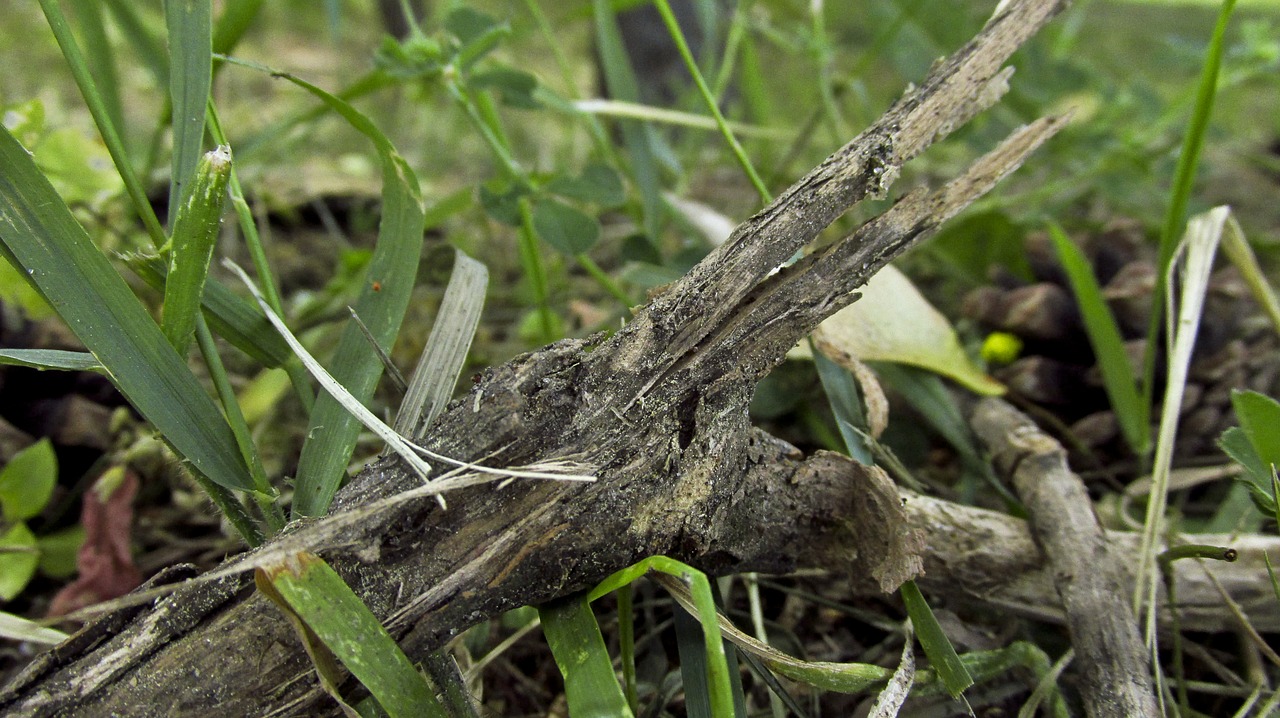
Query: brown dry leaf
(105,560)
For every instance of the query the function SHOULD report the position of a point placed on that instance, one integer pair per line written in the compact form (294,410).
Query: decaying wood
(659,410)
(1115,674)
(990,559)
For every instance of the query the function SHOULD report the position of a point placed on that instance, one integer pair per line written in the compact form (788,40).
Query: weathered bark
(659,410)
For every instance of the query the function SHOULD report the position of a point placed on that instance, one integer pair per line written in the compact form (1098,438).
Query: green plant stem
(102,118)
(603,279)
(668,17)
(265,494)
(231,508)
(532,262)
(492,136)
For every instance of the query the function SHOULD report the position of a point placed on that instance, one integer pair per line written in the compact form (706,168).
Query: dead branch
(660,411)
(1115,670)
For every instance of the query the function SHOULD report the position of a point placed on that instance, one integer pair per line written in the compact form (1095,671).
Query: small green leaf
(27,481)
(319,597)
(598,184)
(467,24)
(1235,443)
(18,560)
(1259,417)
(563,227)
(58,551)
(515,87)
(56,359)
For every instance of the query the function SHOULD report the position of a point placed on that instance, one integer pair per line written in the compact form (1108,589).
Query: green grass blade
(1108,345)
(140,39)
(190,24)
(531,263)
(691,580)
(195,232)
(270,136)
(58,257)
(101,117)
(383,300)
(55,359)
(318,597)
(941,654)
(590,685)
(101,58)
(693,665)
(842,393)
(621,81)
(1183,180)
(236,19)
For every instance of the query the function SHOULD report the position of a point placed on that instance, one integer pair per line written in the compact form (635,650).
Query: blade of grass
(265,494)
(693,665)
(842,394)
(18,628)
(1237,249)
(531,262)
(190,25)
(627,645)
(266,280)
(57,256)
(236,19)
(955,676)
(143,41)
(859,677)
(590,685)
(55,359)
(333,613)
(621,81)
(102,118)
(194,233)
(101,59)
(695,583)
(391,273)
(1183,182)
(1133,414)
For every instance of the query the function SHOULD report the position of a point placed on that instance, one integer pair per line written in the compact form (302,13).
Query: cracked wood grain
(660,409)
